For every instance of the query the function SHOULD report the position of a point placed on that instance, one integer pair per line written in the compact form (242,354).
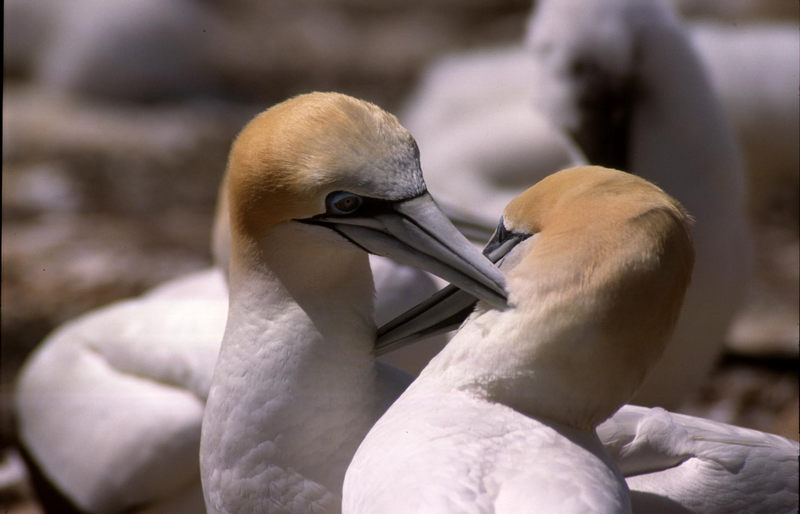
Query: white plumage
(110,404)
(679,463)
(754,69)
(449,452)
(481,141)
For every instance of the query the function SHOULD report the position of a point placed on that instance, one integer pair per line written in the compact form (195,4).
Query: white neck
(293,391)
(561,352)
(534,382)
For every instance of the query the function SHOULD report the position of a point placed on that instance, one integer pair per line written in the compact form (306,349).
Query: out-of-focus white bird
(166,47)
(503,419)
(622,79)
(480,140)
(109,406)
(755,69)
(314,183)
(673,463)
(130,380)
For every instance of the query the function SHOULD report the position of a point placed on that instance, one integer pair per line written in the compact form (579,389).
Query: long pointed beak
(443,311)
(417,233)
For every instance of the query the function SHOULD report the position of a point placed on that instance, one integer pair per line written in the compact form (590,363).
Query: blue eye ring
(342,203)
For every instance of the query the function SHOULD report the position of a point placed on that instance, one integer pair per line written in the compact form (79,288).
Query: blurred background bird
(118,117)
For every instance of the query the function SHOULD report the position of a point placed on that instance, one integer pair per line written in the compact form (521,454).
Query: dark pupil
(346,204)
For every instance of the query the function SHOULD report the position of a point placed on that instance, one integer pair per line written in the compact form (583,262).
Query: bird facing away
(314,183)
(622,79)
(503,419)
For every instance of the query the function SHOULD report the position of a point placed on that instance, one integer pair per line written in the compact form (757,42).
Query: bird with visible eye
(153,358)
(342,203)
(502,240)
(296,384)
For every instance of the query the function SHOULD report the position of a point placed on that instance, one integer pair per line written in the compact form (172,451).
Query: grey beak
(417,233)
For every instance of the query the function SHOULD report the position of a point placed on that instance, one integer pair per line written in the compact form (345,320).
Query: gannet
(315,183)
(671,462)
(109,405)
(503,418)
(130,381)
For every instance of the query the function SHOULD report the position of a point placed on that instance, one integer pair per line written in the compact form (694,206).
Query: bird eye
(342,202)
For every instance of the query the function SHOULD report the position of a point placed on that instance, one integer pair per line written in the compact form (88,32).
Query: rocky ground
(109,184)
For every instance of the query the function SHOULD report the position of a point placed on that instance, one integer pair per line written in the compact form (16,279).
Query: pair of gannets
(619,78)
(296,385)
(240,425)
(503,419)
